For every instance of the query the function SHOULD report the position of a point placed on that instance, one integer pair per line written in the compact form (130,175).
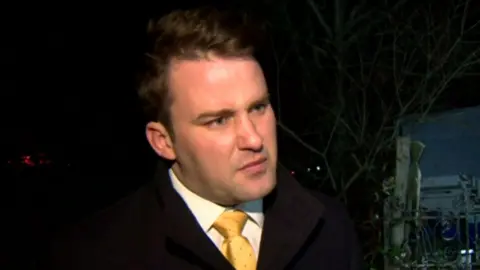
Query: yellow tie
(235,247)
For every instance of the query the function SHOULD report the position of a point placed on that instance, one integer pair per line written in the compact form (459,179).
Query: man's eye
(259,107)
(218,121)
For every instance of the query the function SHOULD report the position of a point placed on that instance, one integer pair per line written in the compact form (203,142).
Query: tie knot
(230,224)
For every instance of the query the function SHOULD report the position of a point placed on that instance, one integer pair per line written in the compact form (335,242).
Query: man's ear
(160,140)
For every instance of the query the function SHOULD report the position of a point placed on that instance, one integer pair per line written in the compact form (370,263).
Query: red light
(27,160)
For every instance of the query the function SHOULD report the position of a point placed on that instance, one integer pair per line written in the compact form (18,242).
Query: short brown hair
(191,34)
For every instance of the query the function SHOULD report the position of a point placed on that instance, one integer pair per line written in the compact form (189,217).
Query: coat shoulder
(106,231)
(334,209)
(339,229)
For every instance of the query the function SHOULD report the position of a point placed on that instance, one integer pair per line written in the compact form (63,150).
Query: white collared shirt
(206,212)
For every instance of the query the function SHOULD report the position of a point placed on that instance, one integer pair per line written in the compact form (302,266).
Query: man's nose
(247,136)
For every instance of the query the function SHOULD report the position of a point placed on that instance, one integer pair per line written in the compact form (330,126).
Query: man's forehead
(214,67)
(215,84)
(213,74)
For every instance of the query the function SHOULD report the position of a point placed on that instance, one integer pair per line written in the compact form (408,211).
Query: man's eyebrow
(213,114)
(264,99)
(228,112)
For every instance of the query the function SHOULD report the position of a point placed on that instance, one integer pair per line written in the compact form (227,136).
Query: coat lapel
(291,215)
(184,234)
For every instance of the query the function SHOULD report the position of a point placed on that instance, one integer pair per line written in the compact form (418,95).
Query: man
(222,202)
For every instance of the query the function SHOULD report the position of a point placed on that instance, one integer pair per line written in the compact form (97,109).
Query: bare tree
(363,68)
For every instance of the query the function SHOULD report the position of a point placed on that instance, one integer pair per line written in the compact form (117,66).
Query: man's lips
(253,163)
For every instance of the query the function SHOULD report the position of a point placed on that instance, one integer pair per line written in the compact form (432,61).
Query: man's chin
(260,190)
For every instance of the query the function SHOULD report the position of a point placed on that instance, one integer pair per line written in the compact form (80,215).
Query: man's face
(225,145)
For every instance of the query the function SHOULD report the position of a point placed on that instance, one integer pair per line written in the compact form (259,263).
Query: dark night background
(68,93)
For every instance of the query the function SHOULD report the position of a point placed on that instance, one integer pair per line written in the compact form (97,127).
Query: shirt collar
(206,212)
